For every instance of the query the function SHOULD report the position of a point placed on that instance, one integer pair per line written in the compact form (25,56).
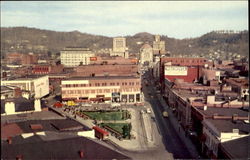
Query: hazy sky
(179,19)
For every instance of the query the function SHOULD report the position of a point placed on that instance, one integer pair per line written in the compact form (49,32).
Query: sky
(177,19)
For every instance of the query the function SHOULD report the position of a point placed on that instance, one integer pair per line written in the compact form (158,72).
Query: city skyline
(180,19)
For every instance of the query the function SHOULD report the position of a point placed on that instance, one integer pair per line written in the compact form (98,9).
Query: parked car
(165,114)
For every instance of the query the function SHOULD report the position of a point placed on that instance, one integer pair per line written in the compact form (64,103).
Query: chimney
(9,140)
(9,107)
(235,117)
(205,107)
(37,105)
(210,99)
(81,153)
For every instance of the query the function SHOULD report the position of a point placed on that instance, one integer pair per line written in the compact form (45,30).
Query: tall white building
(74,56)
(119,47)
(158,45)
(146,54)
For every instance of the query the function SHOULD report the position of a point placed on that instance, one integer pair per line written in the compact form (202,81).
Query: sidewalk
(130,145)
(191,148)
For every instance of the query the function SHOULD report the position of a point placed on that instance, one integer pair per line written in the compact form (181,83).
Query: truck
(165,114)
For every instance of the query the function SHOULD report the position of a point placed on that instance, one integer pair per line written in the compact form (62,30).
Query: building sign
(134,60)
(175,71)
(39,85)
(93,59)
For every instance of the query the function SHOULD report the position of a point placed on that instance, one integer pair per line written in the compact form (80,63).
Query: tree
(126,131)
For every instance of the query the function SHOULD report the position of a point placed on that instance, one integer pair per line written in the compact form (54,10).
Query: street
(166,142)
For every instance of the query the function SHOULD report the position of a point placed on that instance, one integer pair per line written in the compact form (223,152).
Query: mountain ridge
(25,39)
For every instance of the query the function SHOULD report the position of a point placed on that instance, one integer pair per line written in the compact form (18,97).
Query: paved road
(171,139)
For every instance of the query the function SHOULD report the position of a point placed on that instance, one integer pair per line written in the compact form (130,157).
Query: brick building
(12,58)
(106,70)
(188,74)
(112,60)
(28,59)
(240,86)
(19,58)
(47,68)
(105,88)
(190,68)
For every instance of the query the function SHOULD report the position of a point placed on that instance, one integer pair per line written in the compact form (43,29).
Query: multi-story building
(240,86)
(12,58)
(106,70)
(24,59)
(75,56)
(37,85)
(105,88)
(113,60)
(28,59)
(119,47)
(187,69)
(188,74)
(220,130)
(158,45)
(47,68)
(146,54)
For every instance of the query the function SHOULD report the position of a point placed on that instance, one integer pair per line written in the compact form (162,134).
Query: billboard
(93,58)
(175,71)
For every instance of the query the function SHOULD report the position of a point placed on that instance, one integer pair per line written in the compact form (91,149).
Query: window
(97,84)
(79,91)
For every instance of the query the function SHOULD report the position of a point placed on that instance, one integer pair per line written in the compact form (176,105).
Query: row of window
(102,84)
(92,91)
(188,61)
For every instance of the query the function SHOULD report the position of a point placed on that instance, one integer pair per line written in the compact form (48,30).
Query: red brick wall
(192,74)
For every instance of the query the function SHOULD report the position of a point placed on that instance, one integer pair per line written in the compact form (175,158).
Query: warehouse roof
(57,149)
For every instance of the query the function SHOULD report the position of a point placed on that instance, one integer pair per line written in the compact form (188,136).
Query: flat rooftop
(102,77)
(28,77)
(30,148)
(229,125)
(223,111)
(238,148)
